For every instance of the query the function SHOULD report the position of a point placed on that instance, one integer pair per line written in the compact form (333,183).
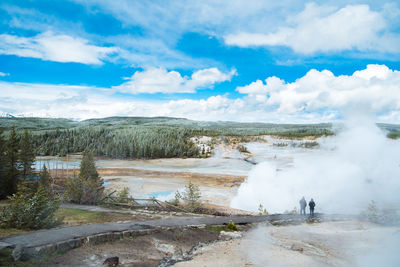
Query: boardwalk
(74,236)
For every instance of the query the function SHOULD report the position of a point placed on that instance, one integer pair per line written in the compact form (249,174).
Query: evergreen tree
(45,178)
(87,188)
(2,166)
(30,208)
(26,155)
(88,168)
(191,197)
(11,170)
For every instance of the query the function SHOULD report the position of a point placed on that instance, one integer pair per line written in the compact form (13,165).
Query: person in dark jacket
(311,204)
(303,205)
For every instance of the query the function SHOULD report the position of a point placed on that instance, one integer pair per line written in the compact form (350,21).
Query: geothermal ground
(218,176)
(340,243)
(347,243)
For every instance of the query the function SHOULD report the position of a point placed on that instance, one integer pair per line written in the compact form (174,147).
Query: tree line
(132,142)
(33,203)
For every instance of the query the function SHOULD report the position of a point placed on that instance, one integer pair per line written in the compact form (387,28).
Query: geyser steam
(358,165)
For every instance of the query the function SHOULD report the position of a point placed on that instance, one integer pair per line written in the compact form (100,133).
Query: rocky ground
(347,243)
(163,248)
(339,243)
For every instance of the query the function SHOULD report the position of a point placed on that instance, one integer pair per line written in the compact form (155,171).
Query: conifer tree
(44,178)
(88,168)
(192,196)
(87,188)
(11,169)
(2,166)
(26,155)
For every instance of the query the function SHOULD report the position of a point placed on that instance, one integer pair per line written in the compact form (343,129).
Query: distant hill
(144,137)
(37,124)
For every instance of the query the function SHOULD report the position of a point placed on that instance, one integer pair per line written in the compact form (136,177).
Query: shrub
(123,196)
(81,191)
(243,149)
(177,199)
(31,208)
(231,226)
(381,216)
(393,135)
(262,210)
(372,212)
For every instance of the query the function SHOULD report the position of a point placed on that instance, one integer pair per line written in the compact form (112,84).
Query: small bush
(262,210)
(231,226)
(310,144)
(393,135)
(372,212)
(83,191)
(31,208)
(381,216)
(123,196)
(177,199)
(243,149)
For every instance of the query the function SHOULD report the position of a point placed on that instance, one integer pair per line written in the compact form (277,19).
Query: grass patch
(7,260)
(5,257)
(393,135)
(12,231)
(76,216)
(219,228)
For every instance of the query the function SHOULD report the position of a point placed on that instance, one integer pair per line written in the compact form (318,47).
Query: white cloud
(4,74)
(49,46)
(334,26)
(159,80)
(375,89)
(319,96)
(326,29)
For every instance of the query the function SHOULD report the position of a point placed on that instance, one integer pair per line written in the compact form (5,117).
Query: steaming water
(358,165)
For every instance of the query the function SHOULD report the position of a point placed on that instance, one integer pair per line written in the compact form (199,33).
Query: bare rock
(17,252)
(167,249)
(112,261)
(229,235)
(296,247)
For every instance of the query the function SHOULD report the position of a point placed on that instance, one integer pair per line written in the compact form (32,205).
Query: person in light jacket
(303,205)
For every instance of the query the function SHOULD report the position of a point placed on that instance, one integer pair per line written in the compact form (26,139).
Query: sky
(217,60)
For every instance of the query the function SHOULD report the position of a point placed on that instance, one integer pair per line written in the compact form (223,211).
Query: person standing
(311,204)
(303,205)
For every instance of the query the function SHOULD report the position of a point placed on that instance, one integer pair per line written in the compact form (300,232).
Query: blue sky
(271,61)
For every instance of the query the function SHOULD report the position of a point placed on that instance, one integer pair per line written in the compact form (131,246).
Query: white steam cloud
(356,166)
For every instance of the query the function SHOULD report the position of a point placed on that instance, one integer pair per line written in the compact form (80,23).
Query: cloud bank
(319,96)
(375,88)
